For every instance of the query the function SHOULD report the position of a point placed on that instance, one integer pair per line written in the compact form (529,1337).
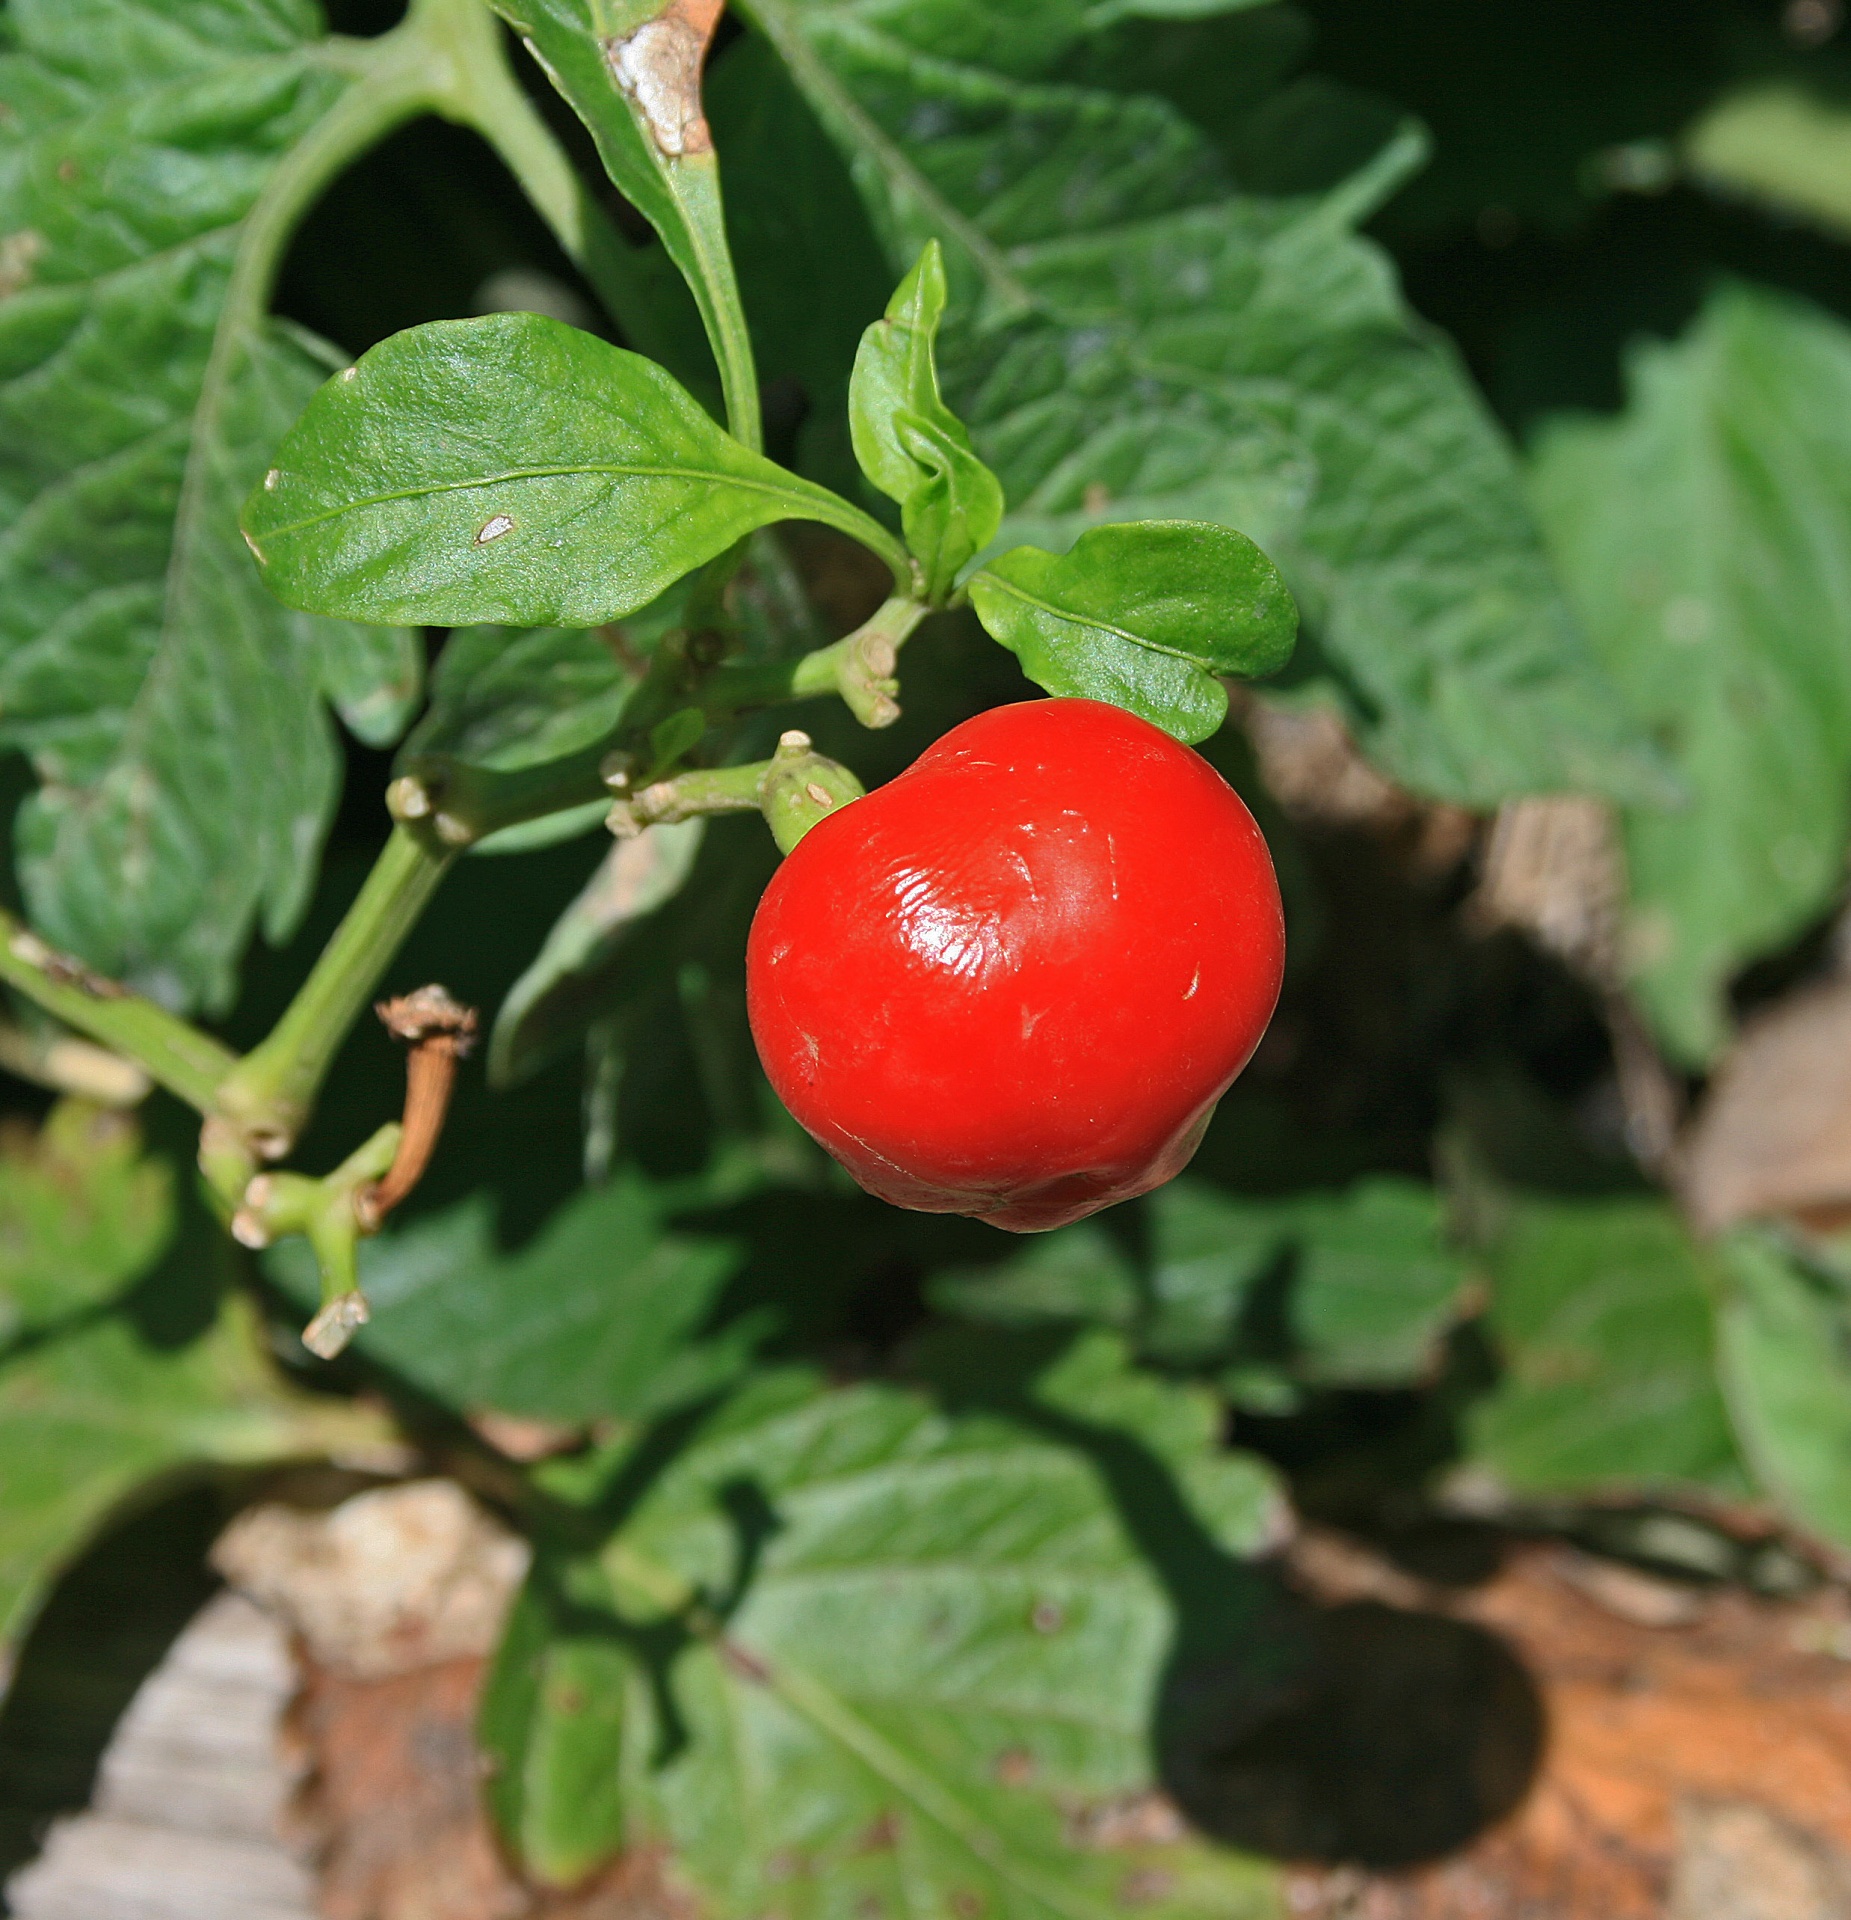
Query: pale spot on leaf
(659,68)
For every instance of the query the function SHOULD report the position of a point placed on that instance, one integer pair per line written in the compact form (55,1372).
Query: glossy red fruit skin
(1014,981)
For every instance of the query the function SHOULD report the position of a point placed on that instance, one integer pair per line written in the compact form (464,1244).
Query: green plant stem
(465,803)
(858,668)
(482,93)
(861,665)
(698,189)
(272,1090)
(700,790)
(176,1055)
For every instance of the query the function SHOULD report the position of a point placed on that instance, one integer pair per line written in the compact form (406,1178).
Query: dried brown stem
(439,1032)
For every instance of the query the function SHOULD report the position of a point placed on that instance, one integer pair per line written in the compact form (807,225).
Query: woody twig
(439,1032)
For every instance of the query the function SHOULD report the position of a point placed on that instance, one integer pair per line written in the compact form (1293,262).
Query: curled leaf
(1142,616)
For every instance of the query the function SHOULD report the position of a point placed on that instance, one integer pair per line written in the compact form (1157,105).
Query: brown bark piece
(1701,1768)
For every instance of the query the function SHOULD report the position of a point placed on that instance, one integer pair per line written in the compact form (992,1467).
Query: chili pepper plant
(763,583)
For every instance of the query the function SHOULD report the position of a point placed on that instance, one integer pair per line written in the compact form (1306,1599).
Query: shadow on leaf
(1356,1733)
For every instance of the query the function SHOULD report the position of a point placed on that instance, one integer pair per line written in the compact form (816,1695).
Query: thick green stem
(177,1056)
(270,1093)
(701,791)
(459,804)
(861,666)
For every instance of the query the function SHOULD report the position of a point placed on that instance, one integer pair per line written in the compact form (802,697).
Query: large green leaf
(171,708)
(95,1403)
(1149,342)
(88,1418)
(1601,1312)
(1351,1289)
(1144,616)
(602,1316)
(509,469)
(1706,537)
(912,1648)
(1784,1341)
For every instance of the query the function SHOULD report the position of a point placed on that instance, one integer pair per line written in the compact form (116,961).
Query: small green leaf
(551,1725)
(1143,616)
(373,677)
(1376,1285)
(510,469)
(1784,1351)
(551,1004)
(910,444)
(1601,1312)
(680,733)
(602,1316)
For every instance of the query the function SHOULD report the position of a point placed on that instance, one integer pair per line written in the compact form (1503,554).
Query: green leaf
(1376,1286)
(1782,146)
(602,1316)
(82,1213)
(1784,1349)
(1351,1289)
(1145,341)
(1601,1312)
(631,71)
(1706,537)
(94,1404)
(567,985)
(1231,1495)
(1144,616)
(910,444)
(373,676)
(503,700)
(552,1723)
(171,709)
(913,1647)
(88,1418)
(510,469)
